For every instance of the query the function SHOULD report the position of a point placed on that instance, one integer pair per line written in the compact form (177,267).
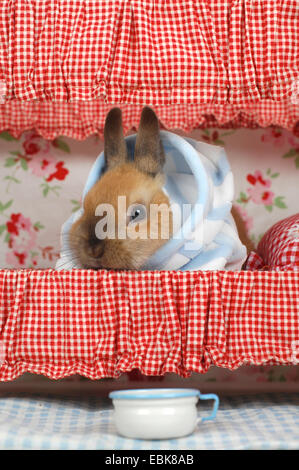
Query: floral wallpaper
(41,183)
(36,194)
(34,156)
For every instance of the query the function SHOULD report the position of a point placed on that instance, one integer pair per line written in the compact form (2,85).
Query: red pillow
(278,249)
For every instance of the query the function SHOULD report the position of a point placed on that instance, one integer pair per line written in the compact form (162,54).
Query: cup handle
(210,396)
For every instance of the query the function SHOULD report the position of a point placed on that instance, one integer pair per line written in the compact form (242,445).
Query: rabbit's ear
(115,149)
(149,154)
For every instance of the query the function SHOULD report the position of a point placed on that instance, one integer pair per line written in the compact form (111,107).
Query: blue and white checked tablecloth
(265,421)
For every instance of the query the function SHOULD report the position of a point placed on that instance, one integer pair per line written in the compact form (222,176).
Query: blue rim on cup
(166,393)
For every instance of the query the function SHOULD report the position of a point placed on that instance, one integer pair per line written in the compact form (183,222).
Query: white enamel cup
(161,413)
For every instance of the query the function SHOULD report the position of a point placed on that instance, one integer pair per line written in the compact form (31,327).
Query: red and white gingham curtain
(198,62)
(101,324)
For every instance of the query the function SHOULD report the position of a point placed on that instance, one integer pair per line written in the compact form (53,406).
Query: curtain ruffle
(101,324)
(241,56)
(80,120)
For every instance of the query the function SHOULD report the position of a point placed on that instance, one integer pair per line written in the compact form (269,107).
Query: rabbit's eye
(136,213)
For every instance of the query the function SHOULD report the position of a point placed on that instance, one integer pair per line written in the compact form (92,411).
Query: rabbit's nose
(96,249)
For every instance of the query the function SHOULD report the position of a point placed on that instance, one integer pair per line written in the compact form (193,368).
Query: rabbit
(140,181)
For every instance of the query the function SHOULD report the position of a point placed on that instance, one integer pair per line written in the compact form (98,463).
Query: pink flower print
(60,172)
(22,233)
(16,259)
(42,166)
(24,223)
(260,196)
(34,260)
(34,143)
(257,177)
(16,222)
(276,136)
(294,142)
(259,192)
(24,242)
(12,224)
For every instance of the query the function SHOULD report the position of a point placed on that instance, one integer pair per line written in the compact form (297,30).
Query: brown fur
(140,182)
(114,142)
(149,153)
(137,187)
